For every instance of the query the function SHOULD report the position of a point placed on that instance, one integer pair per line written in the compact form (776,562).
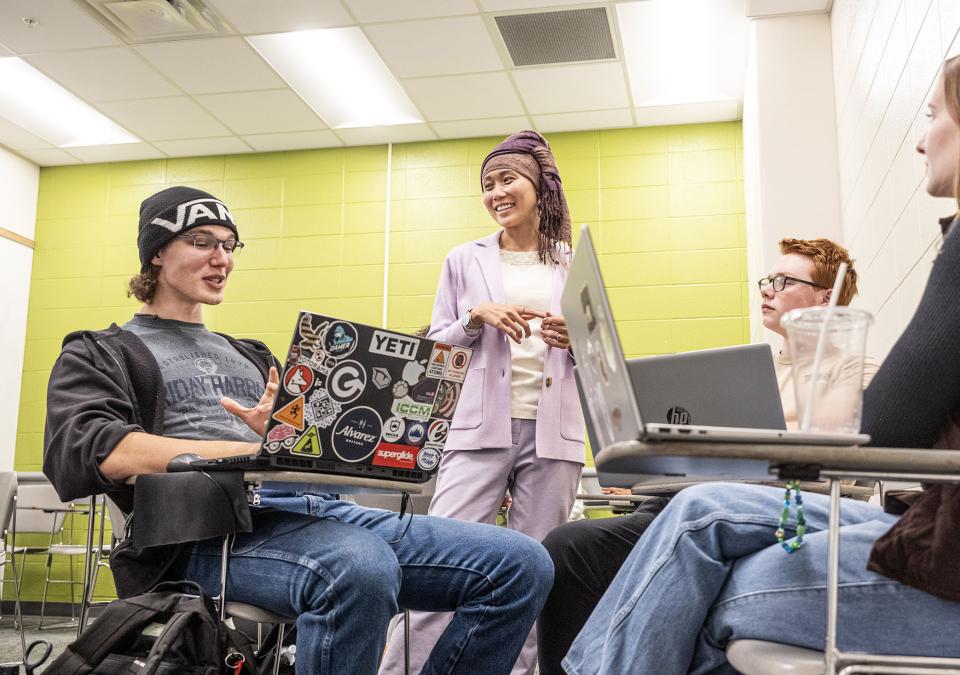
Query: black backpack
(163,632)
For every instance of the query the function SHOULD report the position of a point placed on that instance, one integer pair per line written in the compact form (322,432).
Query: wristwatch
(466,322)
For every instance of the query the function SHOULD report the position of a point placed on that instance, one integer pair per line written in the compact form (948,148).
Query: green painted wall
(665,206)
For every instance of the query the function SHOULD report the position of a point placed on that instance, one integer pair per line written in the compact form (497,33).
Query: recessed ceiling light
(31,100)
(340,75)
(683,51)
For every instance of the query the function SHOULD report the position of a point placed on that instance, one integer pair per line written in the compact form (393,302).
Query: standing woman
(518,426)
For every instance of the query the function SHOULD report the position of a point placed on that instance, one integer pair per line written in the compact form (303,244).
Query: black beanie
(173,211)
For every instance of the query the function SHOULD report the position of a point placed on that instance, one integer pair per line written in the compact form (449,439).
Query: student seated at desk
(124,401)
(708,571)
(588,553)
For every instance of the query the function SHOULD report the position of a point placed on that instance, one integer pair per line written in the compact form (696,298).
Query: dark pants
(587,554)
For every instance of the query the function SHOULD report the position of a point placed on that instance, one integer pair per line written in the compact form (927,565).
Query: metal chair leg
(406,642)
(73,599)
(223,576)
(23,564)
(89,574)
(17,612)
(281,631)
(46,586)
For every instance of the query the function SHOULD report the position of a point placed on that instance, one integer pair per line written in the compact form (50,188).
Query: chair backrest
(31,497)
(8,496)
(118,519)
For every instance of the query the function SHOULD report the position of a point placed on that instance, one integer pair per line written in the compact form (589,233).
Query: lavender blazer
(471,275)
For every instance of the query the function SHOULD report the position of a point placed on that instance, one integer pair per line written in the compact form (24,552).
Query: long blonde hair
(951,90)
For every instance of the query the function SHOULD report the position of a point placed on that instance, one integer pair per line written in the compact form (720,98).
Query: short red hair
(826,256)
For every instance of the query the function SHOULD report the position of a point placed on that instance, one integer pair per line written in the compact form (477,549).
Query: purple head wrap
(515,153)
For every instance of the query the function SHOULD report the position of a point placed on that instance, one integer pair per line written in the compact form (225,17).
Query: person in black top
(709,569)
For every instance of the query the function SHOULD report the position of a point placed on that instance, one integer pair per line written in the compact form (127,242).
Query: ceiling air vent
(137,21)
(557,37)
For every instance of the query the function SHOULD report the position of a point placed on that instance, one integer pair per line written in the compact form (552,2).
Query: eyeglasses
(207,242)
(779,282)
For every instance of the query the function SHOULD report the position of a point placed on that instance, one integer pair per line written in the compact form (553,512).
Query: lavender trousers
(471,485)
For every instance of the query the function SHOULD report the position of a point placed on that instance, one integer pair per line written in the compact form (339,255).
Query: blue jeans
(345,570)
(708,571)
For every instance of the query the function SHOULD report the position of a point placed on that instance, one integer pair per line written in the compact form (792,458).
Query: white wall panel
(887,54)
(790,140)
(18,194)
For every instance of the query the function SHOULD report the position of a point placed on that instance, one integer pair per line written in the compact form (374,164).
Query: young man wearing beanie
(124,401)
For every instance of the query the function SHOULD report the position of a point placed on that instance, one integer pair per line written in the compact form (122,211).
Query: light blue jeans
(708,571)
(345,570)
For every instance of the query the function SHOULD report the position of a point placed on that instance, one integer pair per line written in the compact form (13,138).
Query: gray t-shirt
(198,368)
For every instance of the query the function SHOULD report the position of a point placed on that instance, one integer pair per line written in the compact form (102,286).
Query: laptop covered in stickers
(358,400)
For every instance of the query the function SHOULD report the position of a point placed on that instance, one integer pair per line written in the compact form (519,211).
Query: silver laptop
(724,387)
(609,390)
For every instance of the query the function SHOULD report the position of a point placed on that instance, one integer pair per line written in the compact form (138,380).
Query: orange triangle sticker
(439,358)
(292,413)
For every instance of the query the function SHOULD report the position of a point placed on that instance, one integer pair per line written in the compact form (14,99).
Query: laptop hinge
(798,472)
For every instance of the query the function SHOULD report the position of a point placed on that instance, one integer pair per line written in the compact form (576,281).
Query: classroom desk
(324,482)
(809,462)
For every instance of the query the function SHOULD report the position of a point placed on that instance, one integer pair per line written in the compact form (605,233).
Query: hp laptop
(725,387)
(358,400)
(609,389)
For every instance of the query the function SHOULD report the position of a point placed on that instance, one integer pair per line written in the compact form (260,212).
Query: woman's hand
(513,320)
(553,330)
(257,416)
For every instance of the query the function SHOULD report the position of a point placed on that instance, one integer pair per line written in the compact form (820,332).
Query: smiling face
(511,199)
(192,277)
(794,295)
(940,145)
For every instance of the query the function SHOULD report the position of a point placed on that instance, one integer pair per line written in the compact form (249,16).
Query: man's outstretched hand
(257,416)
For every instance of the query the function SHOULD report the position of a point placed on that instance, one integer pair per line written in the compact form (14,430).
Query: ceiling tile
(401,133)
(62,25)
(4,51)
(435,47)
(511,5)
(688,113)
(588,86)
(578,121)
(479,128)
(212,66)
(124,152)
(253,17)
(158,119)
(300,140)
(262,112)
(17,138)
(48,157)
(111,74)
(368,11)
(195,147)
(464,97)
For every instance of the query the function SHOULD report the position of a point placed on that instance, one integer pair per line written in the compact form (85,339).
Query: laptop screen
(596,347)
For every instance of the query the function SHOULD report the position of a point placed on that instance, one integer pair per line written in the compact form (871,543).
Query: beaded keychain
(797,542)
